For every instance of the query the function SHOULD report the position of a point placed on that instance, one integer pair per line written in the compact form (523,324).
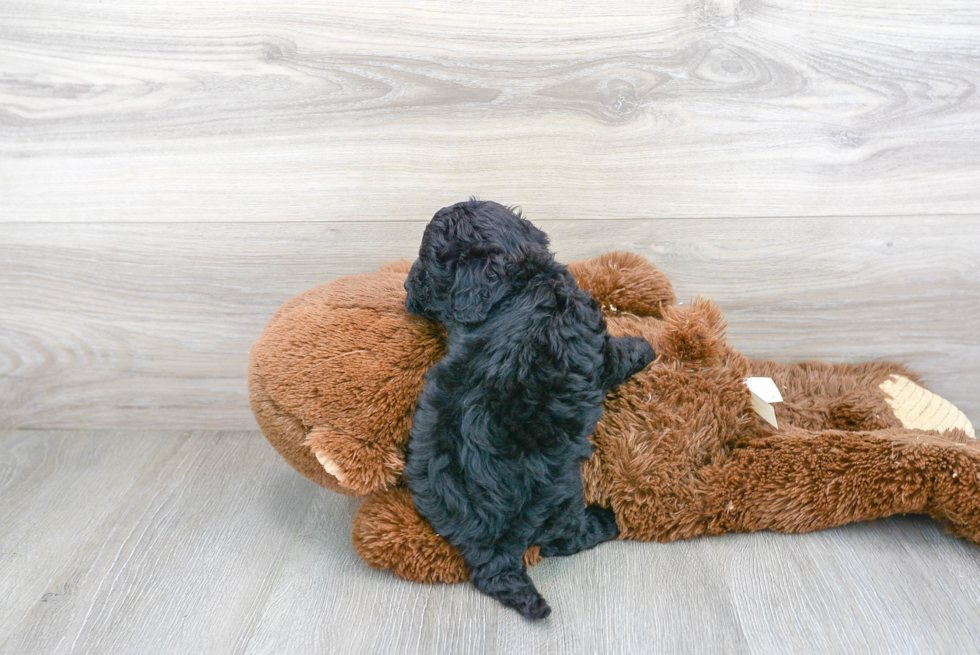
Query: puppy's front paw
(640,353)
(605,519)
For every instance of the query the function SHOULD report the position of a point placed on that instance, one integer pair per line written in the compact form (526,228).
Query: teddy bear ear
(693,334)
(359,465)
(624,282)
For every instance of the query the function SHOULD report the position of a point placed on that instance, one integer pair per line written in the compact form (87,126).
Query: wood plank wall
(171,172)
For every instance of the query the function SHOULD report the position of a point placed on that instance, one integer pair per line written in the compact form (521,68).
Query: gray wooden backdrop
(170,172)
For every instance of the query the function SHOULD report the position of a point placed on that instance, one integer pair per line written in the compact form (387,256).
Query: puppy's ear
(477,287)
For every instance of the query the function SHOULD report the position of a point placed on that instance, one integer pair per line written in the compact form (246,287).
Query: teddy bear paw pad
(920,409)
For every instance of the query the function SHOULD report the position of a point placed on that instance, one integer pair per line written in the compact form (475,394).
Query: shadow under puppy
(503,422)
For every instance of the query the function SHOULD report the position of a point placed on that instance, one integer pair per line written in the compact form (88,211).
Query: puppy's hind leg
(503,576)
(624,356)
(572,531)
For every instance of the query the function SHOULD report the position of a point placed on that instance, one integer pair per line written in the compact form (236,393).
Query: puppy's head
(471,257)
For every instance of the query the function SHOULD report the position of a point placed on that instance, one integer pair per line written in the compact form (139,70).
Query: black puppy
(503,423)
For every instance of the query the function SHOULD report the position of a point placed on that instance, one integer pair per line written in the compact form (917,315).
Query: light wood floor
(206,542)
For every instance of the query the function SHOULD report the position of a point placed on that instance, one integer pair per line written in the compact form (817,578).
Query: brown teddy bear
(679,452)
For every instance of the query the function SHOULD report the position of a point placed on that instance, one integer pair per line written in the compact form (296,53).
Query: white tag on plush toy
(765,389)
(764,393)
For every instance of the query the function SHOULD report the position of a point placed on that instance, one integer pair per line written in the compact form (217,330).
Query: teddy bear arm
(798,481)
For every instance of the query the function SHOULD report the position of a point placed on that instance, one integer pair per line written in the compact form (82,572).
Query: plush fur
(335,378)
(503,422)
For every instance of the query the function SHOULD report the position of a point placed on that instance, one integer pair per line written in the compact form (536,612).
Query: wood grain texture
(819,591)
(597,608)
(168,550)
(113,325)
(50,523)
(295,111)
(164,542)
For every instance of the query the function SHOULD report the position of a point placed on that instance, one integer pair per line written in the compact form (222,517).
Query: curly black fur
(503,422)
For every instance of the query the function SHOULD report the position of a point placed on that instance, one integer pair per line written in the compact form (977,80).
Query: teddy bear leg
(388,533)
(798,481)
(917,408)
(855,397)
